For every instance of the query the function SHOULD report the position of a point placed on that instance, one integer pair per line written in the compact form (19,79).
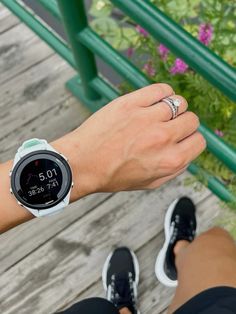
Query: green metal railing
(95,91)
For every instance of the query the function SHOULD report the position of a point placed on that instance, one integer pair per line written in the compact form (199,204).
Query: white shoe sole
(160,261)
(136,269)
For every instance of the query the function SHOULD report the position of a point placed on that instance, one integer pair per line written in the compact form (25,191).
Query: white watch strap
(31,146)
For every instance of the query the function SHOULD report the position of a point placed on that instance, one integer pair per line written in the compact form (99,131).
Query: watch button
(20,203)
(11,191)
(10,172)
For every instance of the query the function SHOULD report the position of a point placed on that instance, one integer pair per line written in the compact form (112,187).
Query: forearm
(11,213)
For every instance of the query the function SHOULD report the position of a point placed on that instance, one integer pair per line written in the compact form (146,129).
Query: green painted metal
(95,91)
(75,20)
(198,56)
(123,66)
(51,6)
(219,148)
(216,186)
(104,88)
(76,88)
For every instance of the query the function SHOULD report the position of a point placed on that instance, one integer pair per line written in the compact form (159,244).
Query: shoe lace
(122,291)
(183,229)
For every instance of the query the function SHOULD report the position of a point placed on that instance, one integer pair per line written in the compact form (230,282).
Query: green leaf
(100,8)
(105,26)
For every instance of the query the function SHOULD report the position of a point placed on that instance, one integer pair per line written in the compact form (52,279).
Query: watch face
(41,180)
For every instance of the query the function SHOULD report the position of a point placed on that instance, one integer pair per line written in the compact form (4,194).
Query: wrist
(11,213)
(70,146)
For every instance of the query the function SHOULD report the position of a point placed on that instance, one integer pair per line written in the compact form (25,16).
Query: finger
(183,126)
(190,148)
(157,183)
(148,95)
(163,112)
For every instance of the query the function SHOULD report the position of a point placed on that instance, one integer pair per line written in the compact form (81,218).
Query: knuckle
(164,89)
(194,118)
(176,163)
(163,137)
(201,140)
(183,100)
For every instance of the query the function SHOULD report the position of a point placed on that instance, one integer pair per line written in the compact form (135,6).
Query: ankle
(180,245)
(124,310)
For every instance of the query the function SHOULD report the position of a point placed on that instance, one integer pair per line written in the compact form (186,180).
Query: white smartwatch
(41,178)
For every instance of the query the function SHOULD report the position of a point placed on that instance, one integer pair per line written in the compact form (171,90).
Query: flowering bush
(212,22)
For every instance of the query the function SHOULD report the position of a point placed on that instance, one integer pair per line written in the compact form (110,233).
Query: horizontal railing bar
(51,6)
(105,51)
(41,30)
(104,88)
(219,148)
(213,184)
(181,43)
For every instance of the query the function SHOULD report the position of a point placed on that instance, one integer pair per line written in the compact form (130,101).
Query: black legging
(92,306)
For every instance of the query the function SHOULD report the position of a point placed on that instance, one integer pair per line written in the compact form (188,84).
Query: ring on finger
(173,105)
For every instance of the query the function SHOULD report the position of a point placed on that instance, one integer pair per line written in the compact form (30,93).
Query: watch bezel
(55,157)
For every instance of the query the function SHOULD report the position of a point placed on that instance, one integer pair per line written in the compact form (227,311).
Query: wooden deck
(48,264)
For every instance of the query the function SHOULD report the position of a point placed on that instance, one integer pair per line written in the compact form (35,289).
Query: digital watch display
(41,179)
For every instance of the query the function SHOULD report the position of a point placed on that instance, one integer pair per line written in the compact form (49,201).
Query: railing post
(74,17)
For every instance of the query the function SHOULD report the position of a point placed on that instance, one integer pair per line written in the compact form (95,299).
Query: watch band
(31,146)
(36,145)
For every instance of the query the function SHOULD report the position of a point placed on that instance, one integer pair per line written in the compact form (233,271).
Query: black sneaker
(120,279)
(180,224)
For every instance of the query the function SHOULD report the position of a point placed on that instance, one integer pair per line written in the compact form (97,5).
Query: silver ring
(173,105)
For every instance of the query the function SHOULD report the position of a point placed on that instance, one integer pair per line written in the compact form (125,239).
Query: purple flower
(130,52)
(205,34)
(179,67)
(219,133)
(149,69)
(163,51)
(141,31)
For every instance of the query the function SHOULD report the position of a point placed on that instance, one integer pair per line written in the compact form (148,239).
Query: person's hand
(132,143)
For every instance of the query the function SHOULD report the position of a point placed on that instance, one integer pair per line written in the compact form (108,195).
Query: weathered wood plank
(154,297)
(72,257)
(57,121)
(38,92)
(20,48)
(7,19)
(14,247)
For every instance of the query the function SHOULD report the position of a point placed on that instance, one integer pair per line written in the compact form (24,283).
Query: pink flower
(219,133)
(149,69)
(163,51)
(205,34)
(130,52)
(179,67)
(141,31)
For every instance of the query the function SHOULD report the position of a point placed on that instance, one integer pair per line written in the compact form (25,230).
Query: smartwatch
(41,178)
